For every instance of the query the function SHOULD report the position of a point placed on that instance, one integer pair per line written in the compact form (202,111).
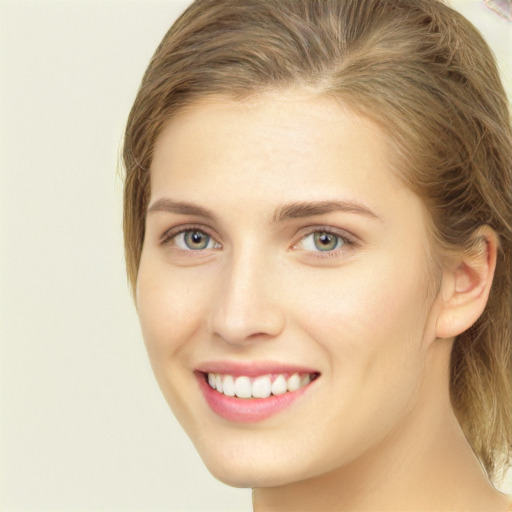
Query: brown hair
(426,76)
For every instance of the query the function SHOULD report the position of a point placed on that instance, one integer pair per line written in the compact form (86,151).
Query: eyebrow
(181,207)
(297,210)
(294,210)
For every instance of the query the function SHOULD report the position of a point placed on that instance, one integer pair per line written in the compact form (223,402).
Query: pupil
(325,241)
(196,240)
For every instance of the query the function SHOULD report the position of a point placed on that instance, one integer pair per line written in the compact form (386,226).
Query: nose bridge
(246,307)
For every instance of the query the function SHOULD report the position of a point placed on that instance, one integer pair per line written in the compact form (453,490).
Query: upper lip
(252,369)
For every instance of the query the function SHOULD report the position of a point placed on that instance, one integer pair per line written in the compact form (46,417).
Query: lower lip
(247,410)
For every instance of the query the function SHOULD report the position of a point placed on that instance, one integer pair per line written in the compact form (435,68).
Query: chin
(238,481)
(237,469)
(251,477)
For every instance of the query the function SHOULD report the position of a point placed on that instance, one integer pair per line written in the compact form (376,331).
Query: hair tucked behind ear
(426,76)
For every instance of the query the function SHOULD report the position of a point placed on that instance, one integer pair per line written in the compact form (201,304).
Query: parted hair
(419,70)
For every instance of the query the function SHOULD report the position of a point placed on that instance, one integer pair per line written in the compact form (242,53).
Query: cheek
(169,309)
(363,303)
(371,324)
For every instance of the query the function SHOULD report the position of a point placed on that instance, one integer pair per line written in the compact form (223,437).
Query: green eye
(194,240)
(322,241)
(326,241)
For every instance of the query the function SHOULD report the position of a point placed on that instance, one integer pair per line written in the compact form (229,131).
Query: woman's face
(285,263)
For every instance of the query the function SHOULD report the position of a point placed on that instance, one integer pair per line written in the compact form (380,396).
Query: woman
(318,234)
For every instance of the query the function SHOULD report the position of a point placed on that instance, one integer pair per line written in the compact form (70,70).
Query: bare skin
(375,431)
(425,466)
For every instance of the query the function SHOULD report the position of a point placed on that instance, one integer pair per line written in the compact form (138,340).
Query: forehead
(276,146)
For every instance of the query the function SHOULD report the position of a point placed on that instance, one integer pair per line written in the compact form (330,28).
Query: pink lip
(252,410)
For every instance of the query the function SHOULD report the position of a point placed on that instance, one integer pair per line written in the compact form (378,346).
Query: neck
(425,464)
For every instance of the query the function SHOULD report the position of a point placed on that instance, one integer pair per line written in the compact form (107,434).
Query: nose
(247,304)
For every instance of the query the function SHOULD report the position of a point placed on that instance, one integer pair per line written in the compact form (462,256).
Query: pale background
(83,425)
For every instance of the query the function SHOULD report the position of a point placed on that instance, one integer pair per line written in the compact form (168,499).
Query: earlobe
(465,288)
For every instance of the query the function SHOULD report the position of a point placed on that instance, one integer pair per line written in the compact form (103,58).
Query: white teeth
(261,387)
(258,387)
(293,382)
(218,383)
(243,388)
(228,385)
(279,385)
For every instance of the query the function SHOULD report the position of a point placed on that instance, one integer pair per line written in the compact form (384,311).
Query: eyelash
(172,233)
(348,241)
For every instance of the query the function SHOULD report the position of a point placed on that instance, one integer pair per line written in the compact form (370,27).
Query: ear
(465,287)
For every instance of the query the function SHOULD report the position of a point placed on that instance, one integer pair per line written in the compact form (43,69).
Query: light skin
(376,430)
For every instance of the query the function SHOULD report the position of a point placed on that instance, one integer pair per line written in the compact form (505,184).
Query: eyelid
(342,233)
(170,233)
(351,240)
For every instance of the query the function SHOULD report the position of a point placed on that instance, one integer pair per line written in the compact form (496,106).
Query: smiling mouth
(264,386)
(252,393)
